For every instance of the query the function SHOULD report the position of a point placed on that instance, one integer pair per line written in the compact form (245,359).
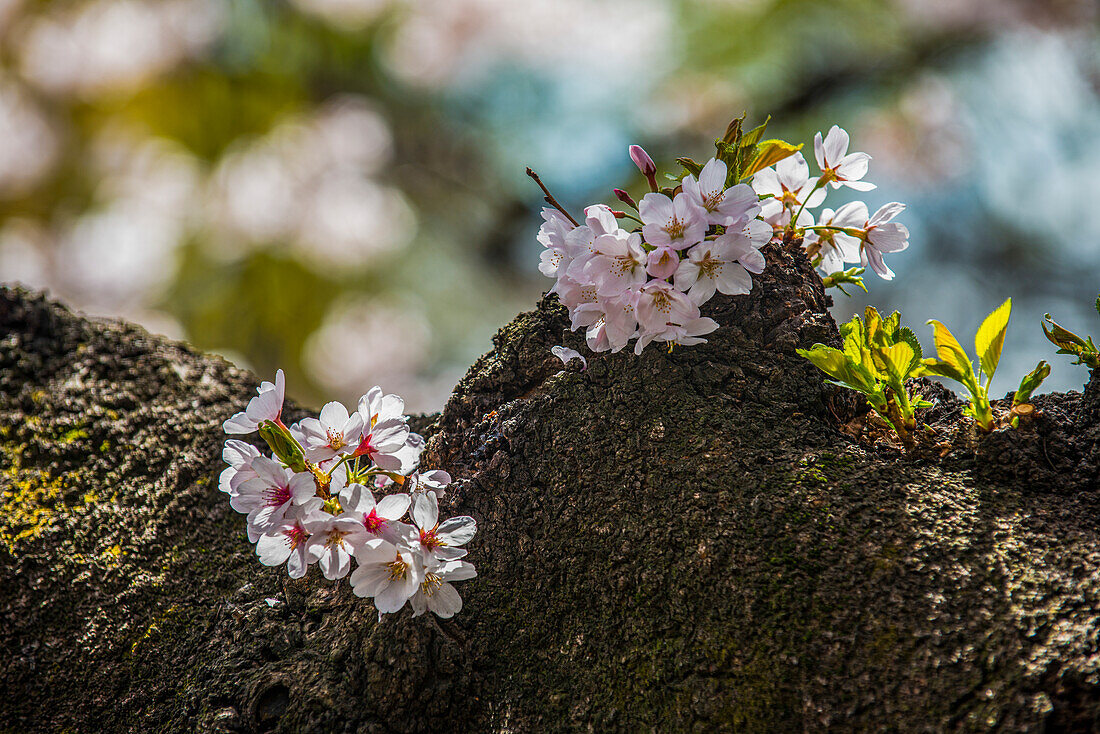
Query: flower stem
(549,198)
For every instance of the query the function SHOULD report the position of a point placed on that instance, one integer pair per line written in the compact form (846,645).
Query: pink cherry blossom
(379,519)
(619,263)
(678,222)
(660,304)
(267,497)
(728,207)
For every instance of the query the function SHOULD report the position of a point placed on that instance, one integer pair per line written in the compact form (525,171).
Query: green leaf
(990,339)
(873,327)
(906,335)
(1098,304)
(769,153)
(829,360)
(690,166)
(897,358)
(1030,383)
(952,360)
(1062,338)
(752,137)
(733,130)
(890,326)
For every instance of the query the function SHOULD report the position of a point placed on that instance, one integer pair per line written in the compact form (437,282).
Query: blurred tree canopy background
(336,187)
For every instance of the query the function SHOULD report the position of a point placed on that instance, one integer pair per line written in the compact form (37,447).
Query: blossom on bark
(440,541)
(386,573)
(679,222)
(332,542)
(266,406)
(335,433)
(728,207)
(286,543)
(435,592)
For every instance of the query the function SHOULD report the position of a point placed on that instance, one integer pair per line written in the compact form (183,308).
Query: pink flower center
(276,496)
(429,540)
(365,448)
(297,535)
(373,523)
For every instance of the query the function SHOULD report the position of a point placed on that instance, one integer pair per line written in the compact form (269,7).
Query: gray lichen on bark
(677,541)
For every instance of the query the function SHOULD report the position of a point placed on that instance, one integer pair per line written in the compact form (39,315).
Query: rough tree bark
(681,541)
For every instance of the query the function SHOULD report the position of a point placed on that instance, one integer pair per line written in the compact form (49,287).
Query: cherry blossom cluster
(648,280)
(313,500)
(850,234)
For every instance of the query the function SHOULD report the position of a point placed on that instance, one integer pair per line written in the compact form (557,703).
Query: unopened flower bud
(642,160)
(625,198)
(283,445)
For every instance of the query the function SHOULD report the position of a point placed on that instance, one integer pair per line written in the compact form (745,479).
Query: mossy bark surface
(680,541)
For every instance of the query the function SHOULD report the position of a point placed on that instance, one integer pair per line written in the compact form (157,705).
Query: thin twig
(550,197)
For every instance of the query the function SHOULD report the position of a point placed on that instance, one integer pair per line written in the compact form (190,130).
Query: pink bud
(625,198)
(642,160)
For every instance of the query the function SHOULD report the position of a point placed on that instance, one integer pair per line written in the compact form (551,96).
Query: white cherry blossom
(838,166)
(440,541)
(336,433)
(387,574)
(435,592)
(837,248)
(239,456)
(332,542)
(286,543)
(712,266)
(266,406)
(882,236)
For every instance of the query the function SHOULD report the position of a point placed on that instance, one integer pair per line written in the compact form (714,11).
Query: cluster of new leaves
(952,362)
(312,500)
(1069,343)
(703,236)
(878,356)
